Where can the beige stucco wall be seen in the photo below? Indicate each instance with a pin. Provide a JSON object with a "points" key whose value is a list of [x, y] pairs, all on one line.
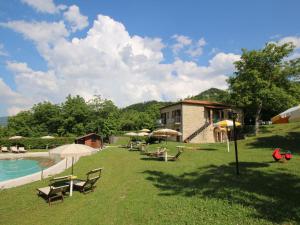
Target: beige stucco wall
{"points": [[194, 117]]}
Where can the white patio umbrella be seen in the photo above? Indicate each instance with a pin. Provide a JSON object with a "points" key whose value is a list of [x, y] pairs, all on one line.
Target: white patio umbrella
{"points": [[145, 130], [47, 137], [132, 134], [288, 116], [15, 137], [226, 124], [72, 150], [167, 132], [142, 134]]}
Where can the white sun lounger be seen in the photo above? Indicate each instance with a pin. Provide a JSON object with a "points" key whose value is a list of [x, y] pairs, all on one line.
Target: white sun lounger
{"points": [[14, 149], [4, 149], [22, 150]]}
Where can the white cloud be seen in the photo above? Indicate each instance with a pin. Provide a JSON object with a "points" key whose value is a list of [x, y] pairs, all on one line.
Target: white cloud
{"points": [[37, 85], [186, 44], [40, 32], [2, 50], [75, 18], [12, 98], [181, 42], [111, 62], [196, 49], [294, 39], [44, 6], [44, 34]]}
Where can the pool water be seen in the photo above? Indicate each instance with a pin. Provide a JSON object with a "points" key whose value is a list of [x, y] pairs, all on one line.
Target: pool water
{"points": [[13, 168]]}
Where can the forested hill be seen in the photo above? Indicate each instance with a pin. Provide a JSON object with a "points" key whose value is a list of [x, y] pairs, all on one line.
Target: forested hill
{"points": [[212, 94], [144, 106], [3, 121]]}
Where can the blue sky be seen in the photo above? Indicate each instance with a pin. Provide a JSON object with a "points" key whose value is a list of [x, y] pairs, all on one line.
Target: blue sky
{"points": [[134, 51]]}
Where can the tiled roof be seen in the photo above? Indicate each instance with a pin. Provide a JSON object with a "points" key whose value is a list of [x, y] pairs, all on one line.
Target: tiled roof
{"points": [[205, 103], [208, 104]]}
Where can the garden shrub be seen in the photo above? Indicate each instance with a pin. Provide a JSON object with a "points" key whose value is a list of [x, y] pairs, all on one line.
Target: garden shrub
{"points": [[36, 143]]}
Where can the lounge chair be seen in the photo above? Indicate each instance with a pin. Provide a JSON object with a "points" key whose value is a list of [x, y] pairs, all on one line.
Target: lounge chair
{"points": [[170, 157], [4, 149], [14, 149], [89, 184], [22, 150], [56, 189], [159, 152]]}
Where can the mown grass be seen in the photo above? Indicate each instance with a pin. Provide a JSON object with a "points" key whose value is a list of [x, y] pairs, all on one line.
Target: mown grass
{"points": [[200, 188]]}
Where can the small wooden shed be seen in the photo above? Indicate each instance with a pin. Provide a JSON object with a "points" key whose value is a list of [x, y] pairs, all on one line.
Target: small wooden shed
{"points": [[93, 140]]}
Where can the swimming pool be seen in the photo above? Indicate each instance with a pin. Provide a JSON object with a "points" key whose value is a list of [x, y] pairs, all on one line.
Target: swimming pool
{"points": [[14, 168]]}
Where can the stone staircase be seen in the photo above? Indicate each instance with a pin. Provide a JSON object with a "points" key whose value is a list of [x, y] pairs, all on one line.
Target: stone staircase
{"points": [[197, 132]]}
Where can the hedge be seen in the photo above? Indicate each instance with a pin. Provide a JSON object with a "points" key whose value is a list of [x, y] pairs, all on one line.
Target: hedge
{"points": [[37, 143]]}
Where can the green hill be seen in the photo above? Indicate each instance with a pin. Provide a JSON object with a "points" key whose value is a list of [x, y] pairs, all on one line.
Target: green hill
{"points": [[144, 106], [212, 94], [3, 120]]}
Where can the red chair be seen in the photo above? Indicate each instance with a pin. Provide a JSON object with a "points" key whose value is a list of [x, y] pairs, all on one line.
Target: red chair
{"points": [[276, 154], [279, 156], [288, 155]]}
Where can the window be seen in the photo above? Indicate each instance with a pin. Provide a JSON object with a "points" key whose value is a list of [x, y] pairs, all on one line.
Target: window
{"points": [[176, 115], [163, 118]]}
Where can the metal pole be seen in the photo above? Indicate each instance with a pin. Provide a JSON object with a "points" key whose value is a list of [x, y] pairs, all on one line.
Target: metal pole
{"points": [[72, 163], [235, 147]]}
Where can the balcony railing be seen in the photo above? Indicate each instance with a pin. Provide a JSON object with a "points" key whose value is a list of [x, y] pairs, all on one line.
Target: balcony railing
{"points": [[175, 120]]}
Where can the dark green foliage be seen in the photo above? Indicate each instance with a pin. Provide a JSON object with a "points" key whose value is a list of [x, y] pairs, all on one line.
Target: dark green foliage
{"points": [[74, 117], [141, 115], [144, 106], [36, 143], [265, 82], [212, 94]]}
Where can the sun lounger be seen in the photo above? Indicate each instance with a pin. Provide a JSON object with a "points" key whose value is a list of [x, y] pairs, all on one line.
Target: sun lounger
{"points": [[22, 150], [56, 189], [158, 153], [89, 184], [4, 149], [14, 149], [171, 158]]}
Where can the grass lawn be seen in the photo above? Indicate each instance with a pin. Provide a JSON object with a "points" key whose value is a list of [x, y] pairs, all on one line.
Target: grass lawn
{"points": [[200, 188]]}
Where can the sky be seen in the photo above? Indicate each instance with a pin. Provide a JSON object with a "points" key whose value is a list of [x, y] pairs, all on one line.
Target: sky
{"points": [[130, 51]]}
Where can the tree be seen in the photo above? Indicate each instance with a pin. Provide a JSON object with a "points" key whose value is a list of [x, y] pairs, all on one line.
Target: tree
{"points": [[264, 80], [75, 114], [104, 117], [46, 118], [21, 124]]}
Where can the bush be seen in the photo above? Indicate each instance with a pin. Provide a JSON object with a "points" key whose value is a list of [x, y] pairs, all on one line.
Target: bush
{"points": [[36, 143], [152, 140]]}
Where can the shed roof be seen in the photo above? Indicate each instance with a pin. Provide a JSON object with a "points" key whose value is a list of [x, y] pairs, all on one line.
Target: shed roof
{"points": [[87, 135]]}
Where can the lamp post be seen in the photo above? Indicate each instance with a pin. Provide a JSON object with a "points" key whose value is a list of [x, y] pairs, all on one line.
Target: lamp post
{"points": [[234, 117]]}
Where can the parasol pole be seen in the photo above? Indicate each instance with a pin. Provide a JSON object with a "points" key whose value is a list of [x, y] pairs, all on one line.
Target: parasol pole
{"points": [[72, 164], [227, 139], [234, 116]]}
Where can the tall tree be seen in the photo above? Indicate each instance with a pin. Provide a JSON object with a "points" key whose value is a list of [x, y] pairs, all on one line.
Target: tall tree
{"points": [[75, 113], [46, 118], [264, 79]]}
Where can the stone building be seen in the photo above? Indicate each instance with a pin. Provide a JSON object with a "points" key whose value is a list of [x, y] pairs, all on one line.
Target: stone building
{"points": [[195, 120]]}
